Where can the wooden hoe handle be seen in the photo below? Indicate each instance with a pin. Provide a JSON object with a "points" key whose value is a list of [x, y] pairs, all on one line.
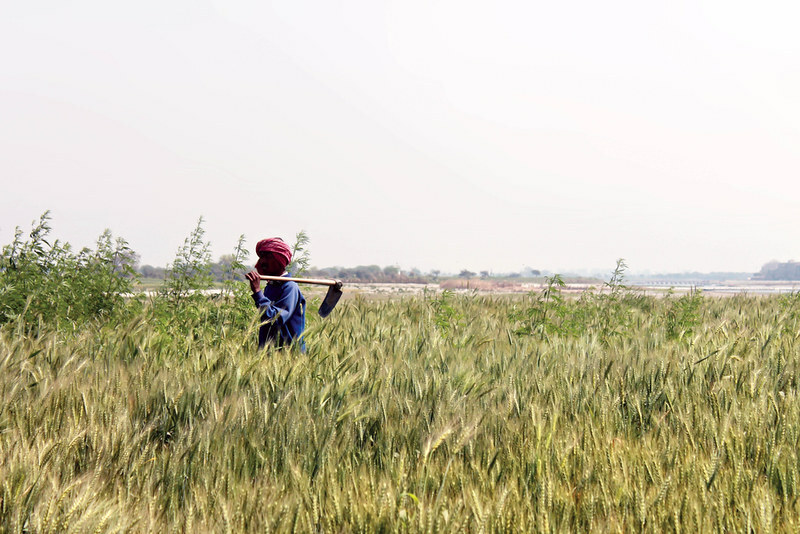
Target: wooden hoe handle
{"points": [[316, 281]]}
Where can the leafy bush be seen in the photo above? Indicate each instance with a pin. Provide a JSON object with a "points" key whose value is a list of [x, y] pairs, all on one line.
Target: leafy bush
{"points": [[683, 314], [301, 259], [445, 315], [605, 314], [48, 282], [548, 314], [190, 271]]}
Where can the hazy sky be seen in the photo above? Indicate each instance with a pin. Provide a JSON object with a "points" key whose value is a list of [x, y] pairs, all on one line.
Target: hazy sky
{"points": [[429, 134]]}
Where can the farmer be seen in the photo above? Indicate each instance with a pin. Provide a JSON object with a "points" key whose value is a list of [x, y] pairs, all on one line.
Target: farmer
{"points": [[282, 306]]}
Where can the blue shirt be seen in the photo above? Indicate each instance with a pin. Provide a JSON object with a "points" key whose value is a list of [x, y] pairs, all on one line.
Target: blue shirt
{"points": [[283, 311]]}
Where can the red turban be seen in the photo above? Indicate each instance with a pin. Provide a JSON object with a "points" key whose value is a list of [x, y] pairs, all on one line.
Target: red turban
{"points": [[277, 247]]}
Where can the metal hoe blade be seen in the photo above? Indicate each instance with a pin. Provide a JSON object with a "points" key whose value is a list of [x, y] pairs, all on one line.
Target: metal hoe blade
{"points": [[331, 298]]}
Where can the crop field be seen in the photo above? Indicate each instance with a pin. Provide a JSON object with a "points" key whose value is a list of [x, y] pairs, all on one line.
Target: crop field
{"points": [[426, 414], [614, 411]]}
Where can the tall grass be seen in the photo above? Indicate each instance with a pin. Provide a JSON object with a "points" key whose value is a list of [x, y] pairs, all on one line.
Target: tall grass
{"points": [[415, 415]]}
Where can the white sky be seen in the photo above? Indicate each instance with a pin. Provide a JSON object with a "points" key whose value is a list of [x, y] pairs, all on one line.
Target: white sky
{"points": [[431, 134]]}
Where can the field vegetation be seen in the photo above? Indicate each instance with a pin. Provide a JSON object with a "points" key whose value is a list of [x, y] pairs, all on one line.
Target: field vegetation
{"points": [[614, 411]]}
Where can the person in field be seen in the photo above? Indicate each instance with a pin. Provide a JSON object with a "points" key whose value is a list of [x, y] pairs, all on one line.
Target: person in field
{"points": [[282, 305]]}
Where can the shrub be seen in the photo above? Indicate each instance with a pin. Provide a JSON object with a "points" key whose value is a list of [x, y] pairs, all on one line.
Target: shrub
{"points": [[683, 314], [190, 272], [47, 282]]}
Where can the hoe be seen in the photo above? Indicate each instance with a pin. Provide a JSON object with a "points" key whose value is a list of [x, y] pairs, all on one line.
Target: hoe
{"points": [[331, 298]]}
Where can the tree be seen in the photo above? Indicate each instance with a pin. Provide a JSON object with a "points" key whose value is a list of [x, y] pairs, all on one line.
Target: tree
{"points": [[148, 271], [466, 274], [775, 270]]}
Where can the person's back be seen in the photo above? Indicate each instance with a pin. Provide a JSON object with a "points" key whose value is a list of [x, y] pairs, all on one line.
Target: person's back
{"points": [[283, 314], [282, 305]]}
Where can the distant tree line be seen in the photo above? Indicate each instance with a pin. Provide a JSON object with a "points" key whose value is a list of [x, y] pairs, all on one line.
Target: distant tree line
{"points": [[148, 271], [775, 270], [374, 274], [220, 271]]}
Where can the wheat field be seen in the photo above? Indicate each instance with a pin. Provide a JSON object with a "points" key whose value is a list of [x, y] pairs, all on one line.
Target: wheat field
{"points": [[429, 414]]}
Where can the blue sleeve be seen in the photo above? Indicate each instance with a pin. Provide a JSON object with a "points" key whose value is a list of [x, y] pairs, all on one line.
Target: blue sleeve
{"points": [[282, 308]]}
